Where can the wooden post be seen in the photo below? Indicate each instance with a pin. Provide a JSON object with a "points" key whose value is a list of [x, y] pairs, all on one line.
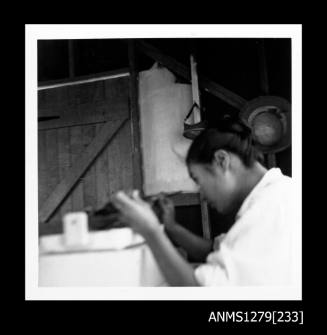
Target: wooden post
{"points": [[135, 118], [264, 83], [197, 118], [195, 90]]}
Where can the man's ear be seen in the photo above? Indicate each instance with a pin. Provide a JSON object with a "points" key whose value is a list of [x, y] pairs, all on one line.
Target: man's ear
{"points": [[222, 159]]}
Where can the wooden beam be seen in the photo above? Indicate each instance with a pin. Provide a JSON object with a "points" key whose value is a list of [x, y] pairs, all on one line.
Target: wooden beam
{"points": [[264, 84], [186, 199], [205, 83], [81, 164], [195, 89], [206, 228], [43, 85], [206, 231], [70, 122], [135, 118], [87, 119]]}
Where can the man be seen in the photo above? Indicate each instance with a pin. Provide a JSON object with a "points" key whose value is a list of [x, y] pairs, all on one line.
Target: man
{"points": [[257, 248]]}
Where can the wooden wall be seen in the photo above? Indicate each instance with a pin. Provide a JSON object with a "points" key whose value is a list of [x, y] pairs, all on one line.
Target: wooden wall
{"points": [[83, 109]]}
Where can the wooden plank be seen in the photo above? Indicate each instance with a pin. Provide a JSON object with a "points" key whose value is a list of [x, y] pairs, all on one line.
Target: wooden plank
{"points": [[101, 172], [205, 220], [76, 148], [42, 168], [117, 91], [120, 164], [107, 75], [51, 160], [89, 113], [205, 83], [186, 199], [52, 172], [126, 156], [120, 155], [116, 96], [99, 92], [135, 118], [90, 191], [64, 162], [206, 229], [81, 165], [52, 164], [114, 162], [69, 121], [195, 89]]}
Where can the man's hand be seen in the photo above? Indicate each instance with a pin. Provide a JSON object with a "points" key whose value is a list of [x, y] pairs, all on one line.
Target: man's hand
{"points": [[136, 213], [167, 210]]}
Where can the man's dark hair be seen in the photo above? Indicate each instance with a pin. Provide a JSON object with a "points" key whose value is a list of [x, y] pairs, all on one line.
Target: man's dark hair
{"points": [[231, 134]]}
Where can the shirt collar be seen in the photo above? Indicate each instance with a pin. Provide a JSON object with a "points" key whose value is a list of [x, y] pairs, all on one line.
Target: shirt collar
{"points": [[269, 177]]}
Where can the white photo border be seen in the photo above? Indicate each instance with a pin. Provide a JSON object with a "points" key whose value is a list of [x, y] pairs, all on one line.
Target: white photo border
{"points": [[70, 31]]}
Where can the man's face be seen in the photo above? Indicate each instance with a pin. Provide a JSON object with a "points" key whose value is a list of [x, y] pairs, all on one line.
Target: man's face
{"points": [[215, 184]]}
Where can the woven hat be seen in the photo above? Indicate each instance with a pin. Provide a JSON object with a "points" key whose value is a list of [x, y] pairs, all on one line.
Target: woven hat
{"points": [[270, 120]]}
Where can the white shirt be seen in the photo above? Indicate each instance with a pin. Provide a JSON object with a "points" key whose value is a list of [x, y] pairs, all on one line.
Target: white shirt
{"points": [[257, 249]]}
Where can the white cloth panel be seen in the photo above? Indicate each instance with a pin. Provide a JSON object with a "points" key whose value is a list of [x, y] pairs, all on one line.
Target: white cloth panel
{"points": [[163, 107]]}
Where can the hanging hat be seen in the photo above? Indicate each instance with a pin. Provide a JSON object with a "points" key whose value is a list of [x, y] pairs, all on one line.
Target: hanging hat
{"points": [[270, 120]]}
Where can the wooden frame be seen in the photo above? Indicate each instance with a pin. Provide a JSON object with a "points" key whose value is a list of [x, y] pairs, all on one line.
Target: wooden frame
{"points": [[83, 79], [135, 118], [206, 229]]}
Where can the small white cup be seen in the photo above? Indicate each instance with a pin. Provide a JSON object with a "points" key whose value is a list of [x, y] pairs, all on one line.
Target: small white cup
{"points": [[75, 228]]}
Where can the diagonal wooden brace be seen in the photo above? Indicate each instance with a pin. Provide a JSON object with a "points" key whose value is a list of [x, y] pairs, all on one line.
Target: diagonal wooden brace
{"points": [[58, 195]]}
